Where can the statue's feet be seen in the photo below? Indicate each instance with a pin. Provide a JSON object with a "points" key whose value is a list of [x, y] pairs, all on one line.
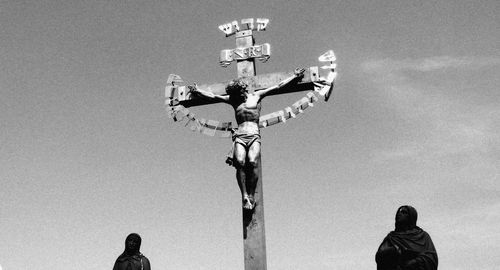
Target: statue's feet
{"points": [[248, 202]]}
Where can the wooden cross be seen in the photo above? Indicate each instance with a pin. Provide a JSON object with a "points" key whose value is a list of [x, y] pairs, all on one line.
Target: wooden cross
{"points": [[179, 98], [254, 238]]}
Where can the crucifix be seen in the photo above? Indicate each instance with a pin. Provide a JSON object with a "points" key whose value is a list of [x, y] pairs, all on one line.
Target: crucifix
{"points": [[244, 95]]}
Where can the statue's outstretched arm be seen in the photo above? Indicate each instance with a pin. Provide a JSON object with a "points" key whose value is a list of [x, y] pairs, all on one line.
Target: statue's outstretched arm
{"points": [[299, 72], [206, 94]]}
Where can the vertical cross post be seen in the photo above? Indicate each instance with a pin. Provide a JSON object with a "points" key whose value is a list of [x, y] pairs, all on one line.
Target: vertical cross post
{"points": [[254, 239], [245, 67]]}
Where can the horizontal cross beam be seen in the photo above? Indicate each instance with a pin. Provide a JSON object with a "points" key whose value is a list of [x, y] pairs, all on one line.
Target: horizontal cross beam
{"points": [[178, 94]]}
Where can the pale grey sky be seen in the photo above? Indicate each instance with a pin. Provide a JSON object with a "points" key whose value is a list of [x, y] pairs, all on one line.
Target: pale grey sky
{"points": [[89, 155]]}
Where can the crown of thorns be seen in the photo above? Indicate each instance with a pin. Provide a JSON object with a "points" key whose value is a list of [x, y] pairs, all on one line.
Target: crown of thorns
{"points": [[235, 86]]}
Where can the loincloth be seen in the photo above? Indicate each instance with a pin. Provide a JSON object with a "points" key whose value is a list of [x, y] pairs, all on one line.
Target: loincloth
{"points": [[245, 139]]}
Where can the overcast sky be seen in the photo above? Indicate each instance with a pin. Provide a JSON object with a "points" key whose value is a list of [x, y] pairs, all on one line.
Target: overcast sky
{"points": [[88, 153]]}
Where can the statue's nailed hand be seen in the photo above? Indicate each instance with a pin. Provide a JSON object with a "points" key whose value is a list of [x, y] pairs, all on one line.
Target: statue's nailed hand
{"points": [[299, 72], [193, 88]]}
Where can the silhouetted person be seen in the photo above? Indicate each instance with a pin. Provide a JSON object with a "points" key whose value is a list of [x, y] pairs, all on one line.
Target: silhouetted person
{"points": [[408, 247], [131, 258]]}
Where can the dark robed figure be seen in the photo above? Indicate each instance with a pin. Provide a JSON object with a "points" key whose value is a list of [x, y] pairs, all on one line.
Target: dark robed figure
{"points": [[408, 247], [132, 258]]}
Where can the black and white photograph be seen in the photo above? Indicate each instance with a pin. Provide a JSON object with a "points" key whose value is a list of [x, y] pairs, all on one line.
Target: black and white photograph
{"points": [[255, 135]]}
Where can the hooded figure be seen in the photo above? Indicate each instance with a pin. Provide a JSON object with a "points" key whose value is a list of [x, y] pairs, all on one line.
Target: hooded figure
{"points": [[131, 258], [408, 247]]}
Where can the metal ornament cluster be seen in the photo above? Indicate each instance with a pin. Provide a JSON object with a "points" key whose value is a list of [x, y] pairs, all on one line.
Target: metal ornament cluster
{"points": [[318, 80]]}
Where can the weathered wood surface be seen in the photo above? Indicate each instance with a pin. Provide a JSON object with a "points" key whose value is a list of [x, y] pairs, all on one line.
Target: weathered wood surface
{"points": [[254, 235], [246, 67], [254, 238]]}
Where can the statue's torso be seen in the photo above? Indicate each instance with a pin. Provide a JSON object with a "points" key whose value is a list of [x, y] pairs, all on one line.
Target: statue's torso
{"points": [[247, 113]]}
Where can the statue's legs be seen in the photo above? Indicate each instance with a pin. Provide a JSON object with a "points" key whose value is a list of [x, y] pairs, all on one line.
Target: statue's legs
{"points": [[240, 154], [247, 171], [253, 170]]}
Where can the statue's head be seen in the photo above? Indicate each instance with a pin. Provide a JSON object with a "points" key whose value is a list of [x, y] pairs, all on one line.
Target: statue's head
{"points": [[406, 218], [132, 243], [237, 87]]}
